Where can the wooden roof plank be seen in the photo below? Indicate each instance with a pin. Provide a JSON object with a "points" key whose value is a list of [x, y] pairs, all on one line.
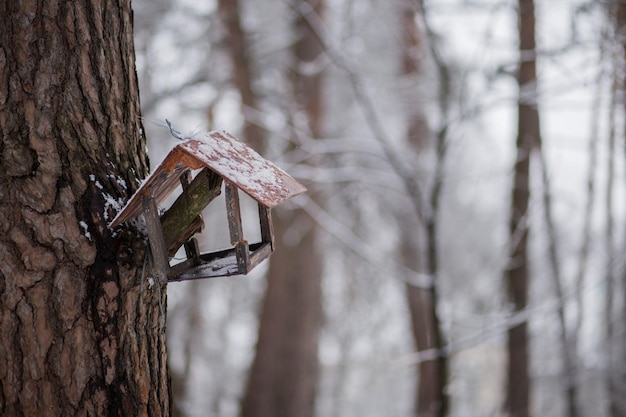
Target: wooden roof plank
{"points": [[225, 155]]}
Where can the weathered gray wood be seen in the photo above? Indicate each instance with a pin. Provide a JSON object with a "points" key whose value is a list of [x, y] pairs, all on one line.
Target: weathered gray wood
{"points": [[219, 264], [243, 256], [259, 255], [188, 206], [267, 228], [216, 267], [233, 211], [160, 263], [180, 268]]}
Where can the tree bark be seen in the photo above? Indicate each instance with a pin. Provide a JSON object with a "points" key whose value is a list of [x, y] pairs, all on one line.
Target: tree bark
{"points": [[516, 276], [82, 333], [283, 377]]}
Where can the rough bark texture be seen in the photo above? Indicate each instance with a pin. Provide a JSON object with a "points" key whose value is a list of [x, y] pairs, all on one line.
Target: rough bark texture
{"points": [[80, 334], [518, 387], [283, 377]]}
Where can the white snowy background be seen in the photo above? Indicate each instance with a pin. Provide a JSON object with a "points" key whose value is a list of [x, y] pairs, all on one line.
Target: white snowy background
{"points": [[366, 354]]}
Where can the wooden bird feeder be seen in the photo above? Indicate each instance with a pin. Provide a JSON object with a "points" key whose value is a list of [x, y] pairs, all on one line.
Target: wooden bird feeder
{"points": [[221, 158]]}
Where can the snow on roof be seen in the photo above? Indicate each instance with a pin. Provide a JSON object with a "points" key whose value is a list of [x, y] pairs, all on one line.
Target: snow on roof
{"points": [[225, 155]]}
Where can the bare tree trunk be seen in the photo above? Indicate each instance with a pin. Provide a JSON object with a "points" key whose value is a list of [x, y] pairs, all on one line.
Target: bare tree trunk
{"points": [[430, 397], [82, 330], [619, 344], [516, 276], [283, 377], [230, 13], [613, 392], [419, 247], [191, 345], [611, 342]]}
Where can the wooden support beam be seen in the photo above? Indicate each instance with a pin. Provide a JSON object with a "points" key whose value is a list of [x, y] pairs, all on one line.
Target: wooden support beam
{"points": [[242, 255], [259, 255], [235, 228], [188, 206], [233, 211], [192, 250], [219, 264], [180, 268], [183, 238], [160, 263], [267, 228]]}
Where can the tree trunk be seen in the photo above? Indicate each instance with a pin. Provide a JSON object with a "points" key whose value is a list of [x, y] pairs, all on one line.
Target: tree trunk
{"points": [[82, 331], [230, 14], [419, 243], [518, 392], [283, 377], [618, 399], [613, 392]]}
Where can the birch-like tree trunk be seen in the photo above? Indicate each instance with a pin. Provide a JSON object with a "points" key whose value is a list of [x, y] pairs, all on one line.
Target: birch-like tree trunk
{"points": [[82, 334]]}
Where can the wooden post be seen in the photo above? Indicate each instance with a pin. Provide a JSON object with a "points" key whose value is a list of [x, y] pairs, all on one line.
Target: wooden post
{"points": [[160, 262], [267, 228], [233, 211]]}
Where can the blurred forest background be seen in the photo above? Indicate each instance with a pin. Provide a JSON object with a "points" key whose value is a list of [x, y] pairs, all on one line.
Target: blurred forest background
{"points": [[459, 251]]}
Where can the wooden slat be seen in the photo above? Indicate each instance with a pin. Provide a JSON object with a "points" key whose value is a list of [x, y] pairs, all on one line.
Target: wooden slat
{"points": [[160, 263], [235, 228], [228, 157], [267, 228], [180, 268], [241, 165], [260, 254], [223, 266], [233, 211], [161, 183], [219, 264], [243, 256]]}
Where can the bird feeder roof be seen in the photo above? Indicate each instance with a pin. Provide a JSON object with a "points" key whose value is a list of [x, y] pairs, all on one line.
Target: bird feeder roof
{"points": [[228, 157]]}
